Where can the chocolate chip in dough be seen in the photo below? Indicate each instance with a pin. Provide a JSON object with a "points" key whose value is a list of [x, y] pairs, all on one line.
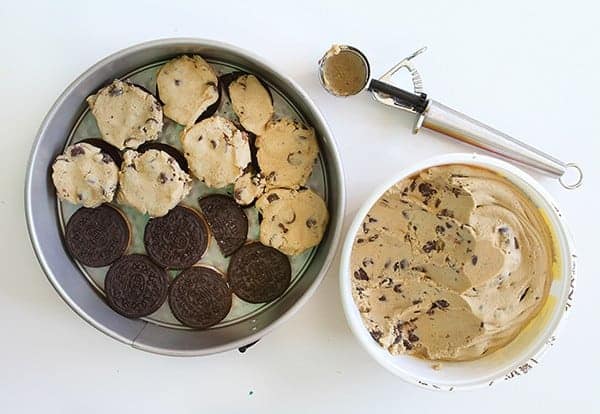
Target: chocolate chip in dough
{"points": [[77, 150], [360, 274]]}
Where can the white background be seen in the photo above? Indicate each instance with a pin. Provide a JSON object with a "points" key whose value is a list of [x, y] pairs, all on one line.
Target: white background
{"points": [[528, 68]]}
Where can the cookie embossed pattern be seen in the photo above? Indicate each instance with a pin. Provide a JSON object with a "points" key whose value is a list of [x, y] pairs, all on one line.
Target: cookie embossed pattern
{"points": [[512, 360]]}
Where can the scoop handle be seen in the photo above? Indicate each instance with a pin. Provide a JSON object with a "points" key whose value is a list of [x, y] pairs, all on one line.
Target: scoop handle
{"points": [[455, 124]]}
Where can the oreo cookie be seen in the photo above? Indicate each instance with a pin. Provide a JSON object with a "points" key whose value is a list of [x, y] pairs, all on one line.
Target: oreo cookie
{"points": [[98, 236], [199, 297], [106, 148], [227, 221], [135, 286], [258, 273], [172, 151], [176, 240]]}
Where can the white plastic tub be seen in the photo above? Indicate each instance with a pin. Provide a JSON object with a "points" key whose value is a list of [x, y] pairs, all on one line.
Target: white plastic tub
{"points": [[525, 351]]}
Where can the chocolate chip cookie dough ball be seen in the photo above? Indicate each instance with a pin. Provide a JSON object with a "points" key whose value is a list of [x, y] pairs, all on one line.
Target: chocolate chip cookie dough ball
{"points": [[251, 103], [187, 85], [293, 220], [152, 182], [127, 115], [287, 151], [217, 152], [85, 175]]}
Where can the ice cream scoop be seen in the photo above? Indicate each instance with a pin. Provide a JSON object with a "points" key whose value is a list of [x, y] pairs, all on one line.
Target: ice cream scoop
{"points": [[345, 71]]}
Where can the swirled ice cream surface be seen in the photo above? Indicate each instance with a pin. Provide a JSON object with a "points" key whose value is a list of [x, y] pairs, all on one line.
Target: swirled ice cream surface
{"points": [[451, 264]]}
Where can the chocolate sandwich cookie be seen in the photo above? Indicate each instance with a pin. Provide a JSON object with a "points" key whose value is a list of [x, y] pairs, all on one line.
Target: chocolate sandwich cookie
{"points": [[172, 151], [227, 221], [98, 236], [176, 240], [199, 297], [258, 273], [226, 79], [106, 148], [135, 286]]}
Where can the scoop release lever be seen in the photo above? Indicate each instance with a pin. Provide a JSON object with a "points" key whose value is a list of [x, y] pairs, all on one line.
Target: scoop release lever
{"points": [[438, 117]]}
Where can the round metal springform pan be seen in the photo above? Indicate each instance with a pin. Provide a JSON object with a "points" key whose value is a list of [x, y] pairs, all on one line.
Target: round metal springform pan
{"points": [[79, 287]]}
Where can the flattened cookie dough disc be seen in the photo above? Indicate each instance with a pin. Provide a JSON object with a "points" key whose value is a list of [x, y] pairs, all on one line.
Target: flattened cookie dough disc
{"points": [[98, 236], [152, 182], [106, 148], [177, 240], [228, 222], [199, 297], [251, 102], [187, 85], [287, 151], [258, 273], [293, 220], [135, 286], [172, 151], [217, 152], [127, 115], [85, 175]]}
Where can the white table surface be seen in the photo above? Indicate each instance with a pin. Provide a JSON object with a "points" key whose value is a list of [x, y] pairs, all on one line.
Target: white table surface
{"points": [[529, 68]]}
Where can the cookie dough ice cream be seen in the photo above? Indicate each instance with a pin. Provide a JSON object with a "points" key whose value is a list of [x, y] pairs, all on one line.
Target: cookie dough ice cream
{"points": [[152, 182], [85, 175], [451, 264]]}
